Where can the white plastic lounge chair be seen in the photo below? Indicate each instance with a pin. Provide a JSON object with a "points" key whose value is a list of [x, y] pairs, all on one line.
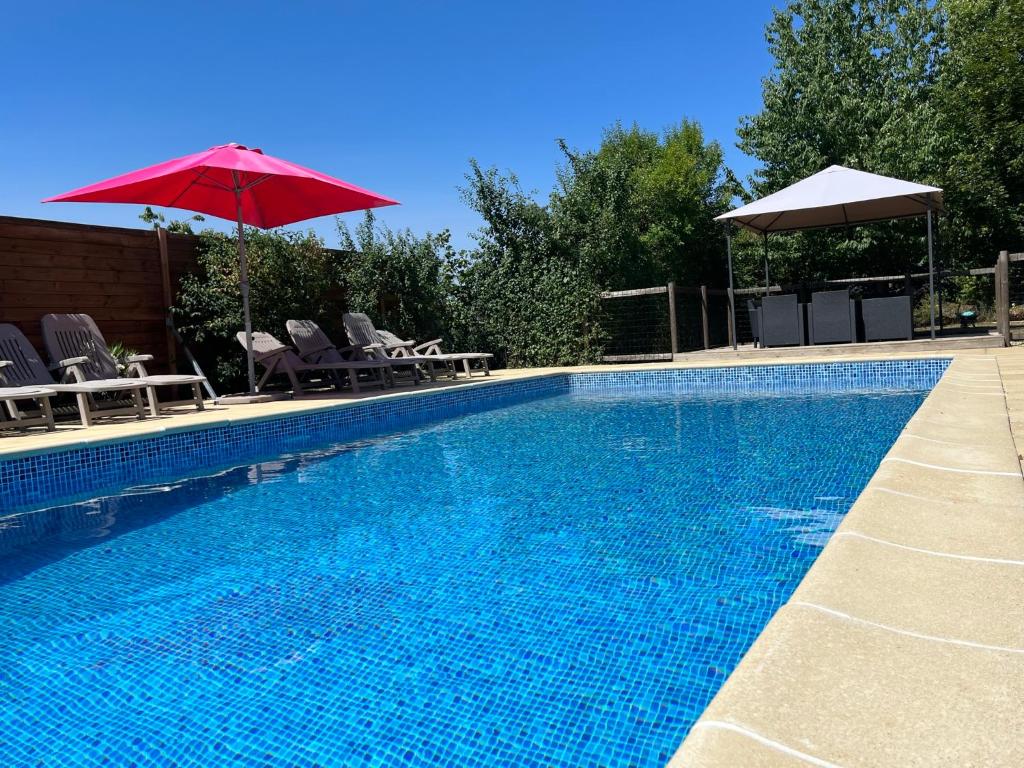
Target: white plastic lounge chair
{"points": [[25, 369], [361, 333], [276, 357], [16, 417], [71, 337], [314, 346], [433, 349]]}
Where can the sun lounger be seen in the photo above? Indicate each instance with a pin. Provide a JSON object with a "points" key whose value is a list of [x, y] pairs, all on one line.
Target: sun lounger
{"points": [[314, 346], [832, 317], [361, 333], [13, 416], [69, 338], [782, 322], [26, 369], [887, 318], [278, 358], [432, 348]]}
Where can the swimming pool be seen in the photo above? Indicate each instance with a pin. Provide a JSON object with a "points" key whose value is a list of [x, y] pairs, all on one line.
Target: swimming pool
{"points": [[564, 580]]}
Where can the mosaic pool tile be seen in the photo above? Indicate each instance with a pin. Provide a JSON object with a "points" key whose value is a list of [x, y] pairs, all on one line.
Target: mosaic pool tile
{"points": [[563, 580], [46, 478]]}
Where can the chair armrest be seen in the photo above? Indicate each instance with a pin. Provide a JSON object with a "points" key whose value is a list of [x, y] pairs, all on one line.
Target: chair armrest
{"points": [[68, 362], [71, 368], [5, 363], [140, 359]]}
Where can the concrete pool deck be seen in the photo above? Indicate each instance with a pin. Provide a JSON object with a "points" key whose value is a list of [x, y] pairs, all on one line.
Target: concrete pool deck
{"points": [[904, 643]]}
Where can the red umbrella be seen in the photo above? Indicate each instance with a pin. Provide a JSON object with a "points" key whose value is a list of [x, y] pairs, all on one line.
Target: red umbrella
{"points": [[234, 182]]}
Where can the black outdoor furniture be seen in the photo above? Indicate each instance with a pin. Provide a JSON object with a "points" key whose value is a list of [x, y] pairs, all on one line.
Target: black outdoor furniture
{"points": [[887, 319], [755, 322], [832, 318], [782, 321]]}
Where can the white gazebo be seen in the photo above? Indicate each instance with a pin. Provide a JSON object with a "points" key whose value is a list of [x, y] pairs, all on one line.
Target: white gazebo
{"points": [[835, 197]]}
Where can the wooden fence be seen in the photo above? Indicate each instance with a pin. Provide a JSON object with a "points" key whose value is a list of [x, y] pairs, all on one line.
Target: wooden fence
{"points": [[124, 278]]}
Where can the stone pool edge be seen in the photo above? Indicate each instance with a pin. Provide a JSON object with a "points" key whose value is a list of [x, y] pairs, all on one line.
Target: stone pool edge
{"points": [[904, 642]]}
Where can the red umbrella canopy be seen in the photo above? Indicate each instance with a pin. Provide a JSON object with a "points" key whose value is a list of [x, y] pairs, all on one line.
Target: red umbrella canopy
{"points": [[273, 192]]}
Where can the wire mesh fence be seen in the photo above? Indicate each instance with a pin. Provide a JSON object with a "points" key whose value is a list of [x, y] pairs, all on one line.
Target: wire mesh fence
{"points": [[655, 323], [636, 325]]}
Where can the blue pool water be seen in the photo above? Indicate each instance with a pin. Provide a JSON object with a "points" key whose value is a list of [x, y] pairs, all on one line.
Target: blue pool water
{"points": [[562, 582]]}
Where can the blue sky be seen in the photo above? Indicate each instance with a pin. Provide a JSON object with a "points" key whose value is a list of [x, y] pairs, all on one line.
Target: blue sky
{"points": [[395, 97]]}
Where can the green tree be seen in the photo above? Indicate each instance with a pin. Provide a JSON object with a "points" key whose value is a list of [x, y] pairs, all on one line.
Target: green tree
{"points": [[981, 111], [524, 297], [638, 211], [852, 85]]}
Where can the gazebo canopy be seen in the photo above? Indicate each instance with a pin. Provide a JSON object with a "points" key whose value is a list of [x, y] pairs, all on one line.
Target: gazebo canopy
{"points": [[836, 196]]}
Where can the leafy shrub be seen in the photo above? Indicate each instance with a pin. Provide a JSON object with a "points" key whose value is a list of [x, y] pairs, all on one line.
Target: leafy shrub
{"points": [[291, 276], [402, 281]]}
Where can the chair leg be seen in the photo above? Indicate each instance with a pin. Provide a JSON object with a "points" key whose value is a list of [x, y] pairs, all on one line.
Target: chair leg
{"points": [[140, 406], [465, 367], [85, 408], [353, 377], [197, 393], [154, 404], [487, 367], [297, 390], [44, 405]]}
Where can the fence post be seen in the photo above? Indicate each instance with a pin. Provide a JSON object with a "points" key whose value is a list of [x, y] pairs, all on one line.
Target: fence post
{"points": [[704, 316], [1002, 276], [673, 331], [165, 279], [731, 295]]}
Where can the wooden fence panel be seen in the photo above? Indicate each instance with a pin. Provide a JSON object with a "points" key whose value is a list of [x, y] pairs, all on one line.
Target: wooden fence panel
{"points": [[111, 273]]}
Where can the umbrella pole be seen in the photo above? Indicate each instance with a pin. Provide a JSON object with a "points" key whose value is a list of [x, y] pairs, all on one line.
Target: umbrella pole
{"points": [[243, 271], [931, 269], [732, 297]]}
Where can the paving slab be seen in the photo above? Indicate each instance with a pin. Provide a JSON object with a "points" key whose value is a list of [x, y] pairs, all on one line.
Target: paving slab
{"points": [[850, 694], [725, 745], [940, 595], [939, 525]]}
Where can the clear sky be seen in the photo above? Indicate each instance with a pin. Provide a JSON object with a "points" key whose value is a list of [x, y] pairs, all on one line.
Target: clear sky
{"points": [[393, 96]]}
